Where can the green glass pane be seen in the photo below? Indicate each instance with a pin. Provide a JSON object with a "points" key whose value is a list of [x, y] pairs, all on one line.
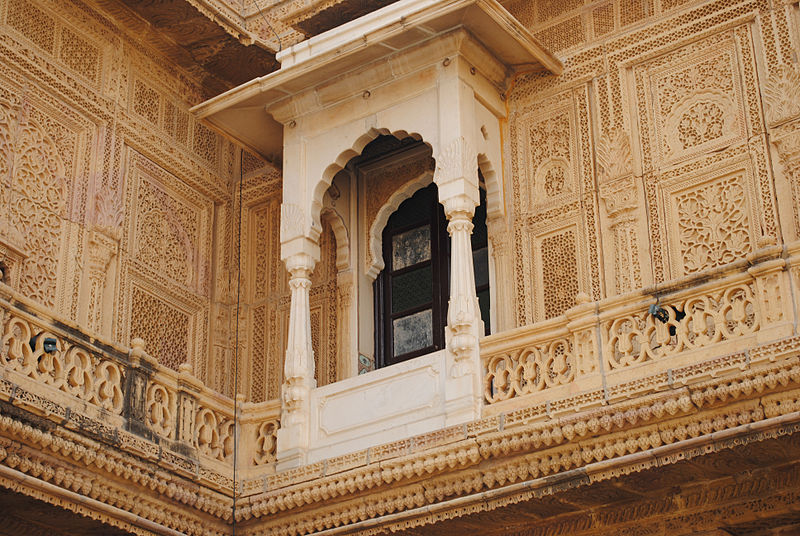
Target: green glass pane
{"points": [[412, 332], [411, 247], [412, 289], [480, 262]]}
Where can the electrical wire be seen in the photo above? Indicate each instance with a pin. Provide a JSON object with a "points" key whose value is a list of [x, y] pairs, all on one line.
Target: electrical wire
{"points": [[278, 37], [236, 343]]}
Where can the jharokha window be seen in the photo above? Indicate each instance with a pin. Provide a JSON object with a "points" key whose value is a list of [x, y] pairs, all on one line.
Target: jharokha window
{"points": [[412, 291]]}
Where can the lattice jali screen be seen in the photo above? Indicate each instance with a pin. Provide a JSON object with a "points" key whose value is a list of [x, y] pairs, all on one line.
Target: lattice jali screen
{"points": [[165, 328], [553, 187]]}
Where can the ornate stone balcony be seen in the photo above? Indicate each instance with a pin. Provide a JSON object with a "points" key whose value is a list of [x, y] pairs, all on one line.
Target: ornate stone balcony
{"points": [[123, 397], [599, 353], [605, 390]]}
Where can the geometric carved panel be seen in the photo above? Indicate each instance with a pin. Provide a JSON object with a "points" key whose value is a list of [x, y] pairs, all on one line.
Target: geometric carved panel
{"points": [[165, 270], [268, 284], [558, 254], [554, 198], [33, 23], [169, 227], [165, 328]]}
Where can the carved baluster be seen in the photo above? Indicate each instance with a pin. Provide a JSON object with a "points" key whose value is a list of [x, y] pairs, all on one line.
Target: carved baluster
{"points": [[462, 314], [457, 178], [188, 388], [136, 380]]}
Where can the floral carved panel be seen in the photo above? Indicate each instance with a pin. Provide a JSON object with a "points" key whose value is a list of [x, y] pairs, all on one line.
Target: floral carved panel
{"points": [[695, 100], [37, 154], [710, 220], [698, 110], [549, 145]]}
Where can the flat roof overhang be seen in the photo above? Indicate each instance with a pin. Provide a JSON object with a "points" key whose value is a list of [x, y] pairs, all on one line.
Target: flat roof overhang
{"points": [[242, 111]]}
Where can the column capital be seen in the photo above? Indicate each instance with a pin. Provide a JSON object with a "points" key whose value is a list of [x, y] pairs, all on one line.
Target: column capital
{"points": [[459, 207], [300, 265]]}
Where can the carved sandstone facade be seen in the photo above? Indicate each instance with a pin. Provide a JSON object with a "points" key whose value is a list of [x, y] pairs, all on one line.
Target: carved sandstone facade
{"points": [[187, 296]]}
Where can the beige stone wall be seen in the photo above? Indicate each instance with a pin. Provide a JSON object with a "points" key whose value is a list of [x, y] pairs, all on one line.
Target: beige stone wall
{"points": [[118, 211], [650, 158], [111, 189]]}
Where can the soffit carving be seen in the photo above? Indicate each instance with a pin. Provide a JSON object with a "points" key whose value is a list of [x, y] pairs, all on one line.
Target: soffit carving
{"points": [[219, 53], [377, 49], [327, 14]]}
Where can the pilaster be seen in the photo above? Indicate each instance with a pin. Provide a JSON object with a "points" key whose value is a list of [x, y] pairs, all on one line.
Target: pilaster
{"points": [[620, 193]]}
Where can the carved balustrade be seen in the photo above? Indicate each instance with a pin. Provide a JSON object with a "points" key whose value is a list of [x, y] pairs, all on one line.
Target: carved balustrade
{"points": [[51, 360], [538, 358], [629, 338]]}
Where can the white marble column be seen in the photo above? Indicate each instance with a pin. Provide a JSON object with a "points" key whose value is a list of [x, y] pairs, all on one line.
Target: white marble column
{"points": [[463, 314], [457, 178], [298, 367]]}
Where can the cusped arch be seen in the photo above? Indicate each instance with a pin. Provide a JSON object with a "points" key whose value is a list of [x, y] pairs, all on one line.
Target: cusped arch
{"points": [[493, 180], [324, 182], [341, 235], [375, 235]]}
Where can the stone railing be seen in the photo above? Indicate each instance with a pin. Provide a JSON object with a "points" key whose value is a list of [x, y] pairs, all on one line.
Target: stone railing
{"points": [[50, 367], [597, 346]]}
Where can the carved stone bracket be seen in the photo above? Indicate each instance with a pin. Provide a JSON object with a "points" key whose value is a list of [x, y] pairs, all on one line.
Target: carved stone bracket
{"points": [[619, 196], [457, 161]]}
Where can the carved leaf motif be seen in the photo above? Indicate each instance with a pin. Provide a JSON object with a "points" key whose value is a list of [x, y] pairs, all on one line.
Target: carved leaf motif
{"points": [[614, 155], [109, 210], [292, 222], [782, 93], [458, 160]]}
